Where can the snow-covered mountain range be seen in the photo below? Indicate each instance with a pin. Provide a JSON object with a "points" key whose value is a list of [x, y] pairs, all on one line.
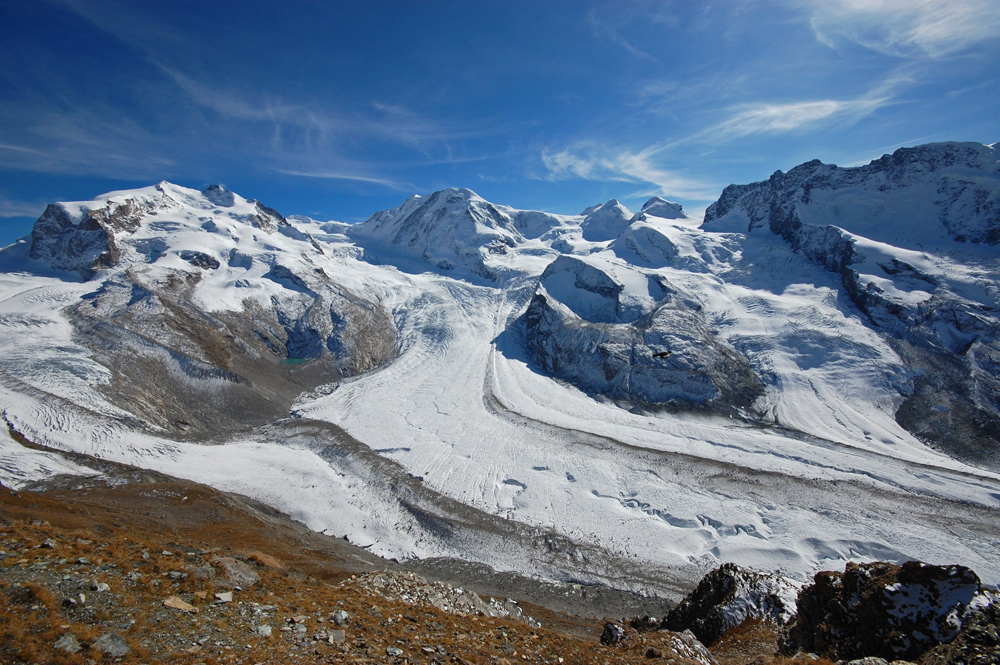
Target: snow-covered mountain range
{"points": [[808, 375]]}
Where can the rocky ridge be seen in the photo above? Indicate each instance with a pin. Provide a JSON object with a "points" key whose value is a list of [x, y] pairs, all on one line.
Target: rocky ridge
{"points": [[648, 344], [915, 612], [728, 597]]}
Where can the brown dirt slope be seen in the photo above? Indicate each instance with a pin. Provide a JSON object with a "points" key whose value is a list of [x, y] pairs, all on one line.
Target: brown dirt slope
{"points": [[89, 569]]}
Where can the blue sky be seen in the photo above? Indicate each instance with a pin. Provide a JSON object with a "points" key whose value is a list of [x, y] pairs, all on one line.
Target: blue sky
{"points": [[338, 109]]}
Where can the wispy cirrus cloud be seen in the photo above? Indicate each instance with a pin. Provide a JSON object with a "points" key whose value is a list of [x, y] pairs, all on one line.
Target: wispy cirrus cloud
{"points": [[179, 87], [353, 177], [84, 138], [769, 117], [609, 22], [12, 208], [592, 161], [380, 121], [764, 118], [924, 28]]}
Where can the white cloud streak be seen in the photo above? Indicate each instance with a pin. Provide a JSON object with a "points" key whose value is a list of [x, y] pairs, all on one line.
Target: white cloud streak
{"points": [[393, 123], [906, 28], [791, 116], [9, 208], [353, 177], [778, 117], [86, 139], [603, 29], [591, 161]]}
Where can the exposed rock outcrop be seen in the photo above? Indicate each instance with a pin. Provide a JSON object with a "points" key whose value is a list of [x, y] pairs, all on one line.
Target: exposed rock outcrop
{"points": [[649, 346], [84, 245], [892, 612], [728, 596]]}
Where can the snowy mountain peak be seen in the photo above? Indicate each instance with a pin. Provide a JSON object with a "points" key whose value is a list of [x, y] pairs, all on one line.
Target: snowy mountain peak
{"points": [[218, 195], [454, 230], [818, 389], [929, 194], [914, 239], [660, 207], [87, 236], [606, 222], [197, 299]]}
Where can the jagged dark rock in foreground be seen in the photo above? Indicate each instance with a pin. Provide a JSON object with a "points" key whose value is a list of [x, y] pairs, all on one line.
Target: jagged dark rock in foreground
{"points": [[728, 596], [897, 612]]}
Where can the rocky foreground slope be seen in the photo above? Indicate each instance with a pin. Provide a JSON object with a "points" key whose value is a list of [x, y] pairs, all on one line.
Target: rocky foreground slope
{"points": [[155, 570], [158, 571]]}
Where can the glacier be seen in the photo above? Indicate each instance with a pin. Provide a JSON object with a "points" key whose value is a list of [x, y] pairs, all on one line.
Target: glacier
{"points": [[608, 398]]}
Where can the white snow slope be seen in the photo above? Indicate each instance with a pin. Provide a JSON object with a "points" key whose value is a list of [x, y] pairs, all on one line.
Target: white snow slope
{"points": [[826, 475]]}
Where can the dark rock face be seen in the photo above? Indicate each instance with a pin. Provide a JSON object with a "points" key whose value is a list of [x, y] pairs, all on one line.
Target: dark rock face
{"points": [[200, 259], [179, 367], [728, 596], [889, 611], [978, 643], [266, 219], [667, 358], [613, 634], [81, 246]]}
